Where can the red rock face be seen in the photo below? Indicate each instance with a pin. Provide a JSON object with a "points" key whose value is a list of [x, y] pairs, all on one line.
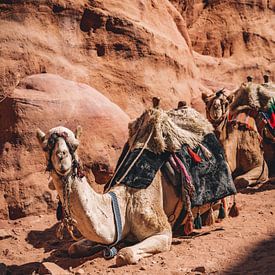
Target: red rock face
{"points": [[128, 50], [45, 101], [233, 39]]}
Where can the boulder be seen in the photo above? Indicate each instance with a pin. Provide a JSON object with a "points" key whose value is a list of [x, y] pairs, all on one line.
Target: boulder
{"points": [[129, 50], [45, 101]]}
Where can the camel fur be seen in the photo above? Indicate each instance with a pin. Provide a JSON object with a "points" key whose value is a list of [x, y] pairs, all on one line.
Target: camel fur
{"points": [[242, 146], [170, 129]]}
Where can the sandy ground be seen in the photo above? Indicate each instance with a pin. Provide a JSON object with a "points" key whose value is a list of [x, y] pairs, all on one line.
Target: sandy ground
{"points": [[242, 245]]}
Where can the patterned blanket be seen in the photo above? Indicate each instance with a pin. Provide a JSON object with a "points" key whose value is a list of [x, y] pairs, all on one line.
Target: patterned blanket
{"points": [[244, 119], [210, 176], [270, 116]]}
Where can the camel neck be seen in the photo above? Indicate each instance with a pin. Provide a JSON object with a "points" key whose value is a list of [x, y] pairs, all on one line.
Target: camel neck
{"points": [[92, 211], [220, 127]]}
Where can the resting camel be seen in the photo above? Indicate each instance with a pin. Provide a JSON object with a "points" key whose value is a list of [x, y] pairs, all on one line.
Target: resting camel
{"points": [[237, 126], [144, 212]]}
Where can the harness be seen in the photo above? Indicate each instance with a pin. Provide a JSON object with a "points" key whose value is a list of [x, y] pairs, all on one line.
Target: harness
{"points": [[63, 214]]}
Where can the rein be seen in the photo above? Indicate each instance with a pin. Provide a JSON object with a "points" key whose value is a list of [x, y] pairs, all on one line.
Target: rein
{"points": [[125, 157]]}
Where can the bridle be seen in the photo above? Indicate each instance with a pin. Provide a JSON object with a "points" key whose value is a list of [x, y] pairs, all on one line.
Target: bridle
{"points": [[220, 123], [76, 168], [63, 213]]}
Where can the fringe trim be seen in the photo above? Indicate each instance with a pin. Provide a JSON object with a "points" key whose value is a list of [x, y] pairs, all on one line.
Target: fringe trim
{"points": [[170, 129]]}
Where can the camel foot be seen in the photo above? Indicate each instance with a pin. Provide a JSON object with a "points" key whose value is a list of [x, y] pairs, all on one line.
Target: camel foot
{"points": [[83, 248], [241, 183], [125, 256]]}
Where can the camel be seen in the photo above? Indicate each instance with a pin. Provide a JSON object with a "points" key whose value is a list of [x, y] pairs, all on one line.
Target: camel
{"points": [[258, 99], [144, 212], [241, 142]]}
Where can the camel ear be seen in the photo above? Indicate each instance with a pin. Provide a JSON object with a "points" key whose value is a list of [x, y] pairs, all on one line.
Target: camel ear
{"points": [[182, 104], [204, 97], [155, 102], [78, 132], [230, 98], [40, 136]]}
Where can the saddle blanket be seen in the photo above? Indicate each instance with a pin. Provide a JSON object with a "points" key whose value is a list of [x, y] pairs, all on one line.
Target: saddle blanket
{"points": [[210, 177]]}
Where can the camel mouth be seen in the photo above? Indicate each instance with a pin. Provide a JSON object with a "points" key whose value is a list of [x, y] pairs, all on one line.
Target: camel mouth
{"points": [[63, 170]]}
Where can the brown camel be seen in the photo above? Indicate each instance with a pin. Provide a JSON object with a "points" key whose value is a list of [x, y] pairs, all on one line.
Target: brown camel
{"points": [[241, 142]]}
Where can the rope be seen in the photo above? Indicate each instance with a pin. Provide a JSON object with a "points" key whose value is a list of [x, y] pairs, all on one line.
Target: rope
{"points": [[110, 251], [126, 155], [3, 98], [135, 160]]}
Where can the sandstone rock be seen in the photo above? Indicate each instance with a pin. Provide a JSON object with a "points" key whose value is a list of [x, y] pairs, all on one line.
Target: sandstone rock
{"points": [[80, 271], [4, 234], [233, 39], [200, 269], [45, 101], [130, 50], [52, 269]]}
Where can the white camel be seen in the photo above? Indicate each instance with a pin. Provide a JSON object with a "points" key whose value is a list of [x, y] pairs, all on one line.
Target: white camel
{"points": [[143, 212]]}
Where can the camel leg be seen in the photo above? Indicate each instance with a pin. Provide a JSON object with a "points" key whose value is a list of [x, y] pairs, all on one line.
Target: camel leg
{"points": [[82, 248], [252, 177], [149, 246]]}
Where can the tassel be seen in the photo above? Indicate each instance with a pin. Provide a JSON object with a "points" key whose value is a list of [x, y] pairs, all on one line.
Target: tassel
{"points": [[210, 217], [225, 206], [59, 231], [221, 212], [181, 167], [194, 155], [234, 210], [188, 226], [198, 221], [59, 211], [205, 151]]}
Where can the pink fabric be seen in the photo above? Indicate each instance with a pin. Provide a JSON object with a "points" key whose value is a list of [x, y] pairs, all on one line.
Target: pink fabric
{"points": [[182, 168]]}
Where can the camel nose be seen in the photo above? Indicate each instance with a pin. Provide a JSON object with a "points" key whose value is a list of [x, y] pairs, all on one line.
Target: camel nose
{"points": [[61, 154]]}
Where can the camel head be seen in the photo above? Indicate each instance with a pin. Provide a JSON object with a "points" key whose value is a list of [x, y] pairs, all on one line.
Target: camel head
{"points": [[217, 105], [60, 145]]}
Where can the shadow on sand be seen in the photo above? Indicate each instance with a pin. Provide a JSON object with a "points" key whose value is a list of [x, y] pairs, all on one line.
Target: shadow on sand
{"points": [[261, 188], [260, 260], [58, 252]]}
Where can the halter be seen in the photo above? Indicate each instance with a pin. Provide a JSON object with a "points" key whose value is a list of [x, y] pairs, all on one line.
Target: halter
{"points": [[64, 213], [216, 123]]}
